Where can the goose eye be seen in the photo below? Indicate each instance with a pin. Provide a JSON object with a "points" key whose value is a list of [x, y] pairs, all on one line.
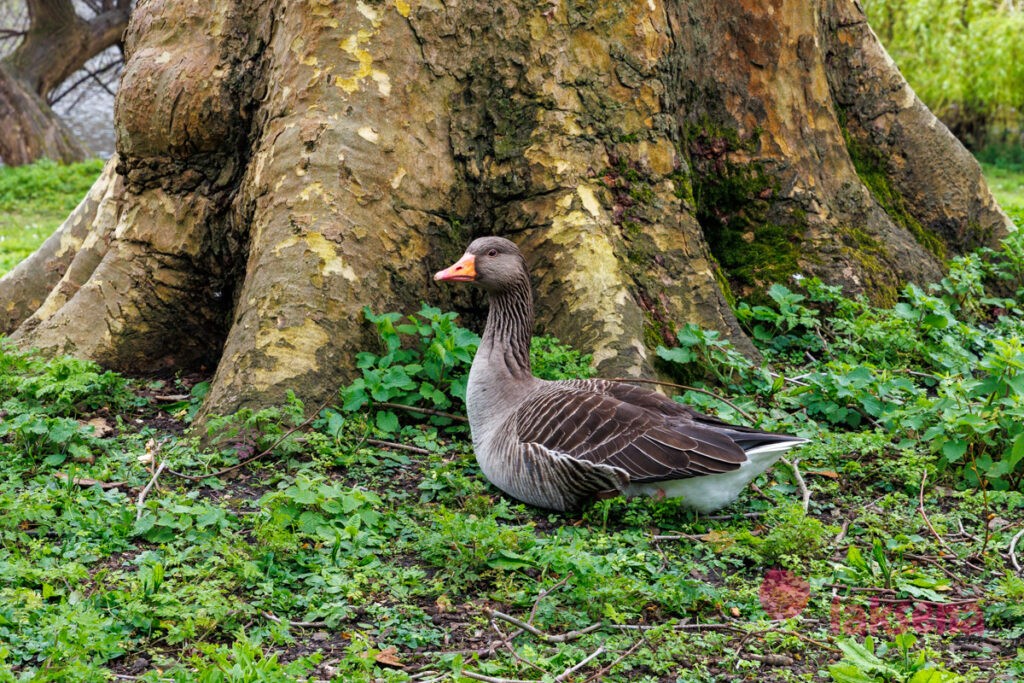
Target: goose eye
{"points": [[492, 252]]}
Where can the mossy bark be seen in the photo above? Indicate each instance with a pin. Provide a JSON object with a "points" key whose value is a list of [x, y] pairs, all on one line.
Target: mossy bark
{"points": [[282, 165]]}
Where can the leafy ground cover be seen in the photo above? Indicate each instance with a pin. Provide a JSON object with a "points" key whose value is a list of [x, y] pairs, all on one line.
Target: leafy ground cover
{"points": [[363, 543]]}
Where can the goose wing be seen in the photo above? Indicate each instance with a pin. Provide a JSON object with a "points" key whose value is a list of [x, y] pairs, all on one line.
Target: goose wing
{"points": [[746, 438], [579, 421]]}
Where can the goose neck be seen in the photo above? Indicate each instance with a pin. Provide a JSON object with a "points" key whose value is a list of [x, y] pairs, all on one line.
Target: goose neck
{"points": [[509, 329]]}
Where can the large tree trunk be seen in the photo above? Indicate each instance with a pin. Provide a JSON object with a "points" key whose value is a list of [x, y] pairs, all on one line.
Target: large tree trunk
{"points": [[58, 43], [281, 165]]}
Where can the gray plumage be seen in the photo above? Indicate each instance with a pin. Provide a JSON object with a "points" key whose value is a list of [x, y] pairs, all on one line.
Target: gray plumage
{"points": [[558, 445]]}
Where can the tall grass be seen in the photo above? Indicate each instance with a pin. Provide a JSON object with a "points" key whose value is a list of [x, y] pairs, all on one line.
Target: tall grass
{"points": [[964, 59]]}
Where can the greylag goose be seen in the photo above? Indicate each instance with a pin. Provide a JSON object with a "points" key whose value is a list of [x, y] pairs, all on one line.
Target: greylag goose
{"points": [[560, 444]]}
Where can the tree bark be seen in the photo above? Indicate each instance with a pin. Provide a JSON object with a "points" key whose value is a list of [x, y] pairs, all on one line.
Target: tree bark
{"points": [[282, 165], [58, 43], [29, 130]]}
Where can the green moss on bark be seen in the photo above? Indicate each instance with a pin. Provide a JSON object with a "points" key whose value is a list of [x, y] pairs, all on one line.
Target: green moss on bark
{"points": [[753, 243], [870, 167]]}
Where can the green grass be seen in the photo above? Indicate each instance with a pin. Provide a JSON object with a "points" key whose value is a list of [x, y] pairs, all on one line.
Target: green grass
{"points": [[1007, 184], [34, 200], [335, 558]]}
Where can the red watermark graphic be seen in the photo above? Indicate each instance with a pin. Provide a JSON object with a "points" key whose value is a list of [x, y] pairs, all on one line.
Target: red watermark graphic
{"points": [[886, 616], [784, 595]]}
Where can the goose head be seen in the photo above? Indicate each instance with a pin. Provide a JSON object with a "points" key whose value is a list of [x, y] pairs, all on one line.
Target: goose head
{"points": [[493, 263]]}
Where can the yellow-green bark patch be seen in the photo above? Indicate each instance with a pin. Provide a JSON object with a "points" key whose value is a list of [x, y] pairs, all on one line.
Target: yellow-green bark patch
{"points": [[291, 352]]}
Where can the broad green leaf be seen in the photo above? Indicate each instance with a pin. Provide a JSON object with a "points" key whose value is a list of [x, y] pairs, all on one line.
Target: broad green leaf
{"points": [[848, 673], [387, 421]]}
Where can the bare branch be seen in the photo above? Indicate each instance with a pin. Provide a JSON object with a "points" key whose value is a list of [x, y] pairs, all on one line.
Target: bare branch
{"points": [[1013, 554], [924, 516], [493, 679], [297, 624], [141, 502], [90, 74], [805, 494], [268, 450], [560, 638], [424, 411], [399, 446], [582, 663]]}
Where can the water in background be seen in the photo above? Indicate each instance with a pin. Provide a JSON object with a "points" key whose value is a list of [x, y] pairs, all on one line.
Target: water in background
{"points": [[89, 110], [91, 118]]}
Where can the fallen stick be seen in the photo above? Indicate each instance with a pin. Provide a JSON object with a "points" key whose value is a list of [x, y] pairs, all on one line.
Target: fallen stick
{"points": [[297, 624], [399, 446], [632, 648], [493, 679], [805, 494], [86, 482], [582, 663], [1013, 554], [424, 411], [264, 453], [140, 503], [924, 515], [547, 638]]}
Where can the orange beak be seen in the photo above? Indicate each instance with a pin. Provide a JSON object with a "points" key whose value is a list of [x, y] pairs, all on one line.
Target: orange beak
{"points": [[463, 270]]}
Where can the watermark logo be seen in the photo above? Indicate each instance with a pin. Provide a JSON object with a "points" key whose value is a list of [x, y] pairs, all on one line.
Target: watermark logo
{"points": [[784, 595]]}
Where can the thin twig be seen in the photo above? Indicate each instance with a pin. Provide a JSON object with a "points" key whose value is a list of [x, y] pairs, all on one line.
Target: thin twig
{"points": [[505, 640], [269, 449], [924, 515], [547, 638], [791, 380], [89, 75], [772, 659], [805, 494], [297, 624], [678, 537], [939, 563], [493, 679], [632, 648], [680, 627], [171, 398], [720, 518], [544, 593], [687, 388], [400, 446], [964, 532], [1013, 554], [582, 663], [842, 532], [140, 503], [425, 411], [818, 643], [86, 482]]}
